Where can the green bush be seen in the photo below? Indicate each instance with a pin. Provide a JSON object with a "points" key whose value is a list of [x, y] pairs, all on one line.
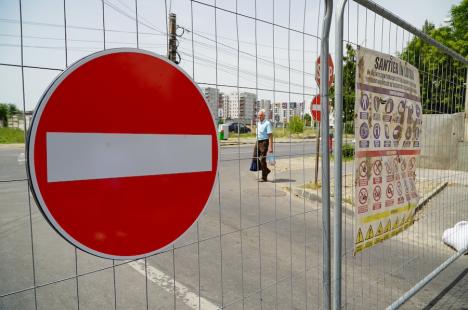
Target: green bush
{"points": [[348, 151], [296, 124], [349, 127]]}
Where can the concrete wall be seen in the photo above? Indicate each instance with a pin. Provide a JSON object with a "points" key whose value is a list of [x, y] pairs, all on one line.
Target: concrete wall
{"points": [[442, 136], [18, 122], [462, 157]]}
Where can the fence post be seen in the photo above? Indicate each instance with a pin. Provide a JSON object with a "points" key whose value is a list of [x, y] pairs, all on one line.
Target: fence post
{"points": [[325, 154], [338, 150]]}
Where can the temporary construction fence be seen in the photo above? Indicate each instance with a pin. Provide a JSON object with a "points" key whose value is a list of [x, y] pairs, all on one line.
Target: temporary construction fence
{"points": [[256, 245], [388, 271]]}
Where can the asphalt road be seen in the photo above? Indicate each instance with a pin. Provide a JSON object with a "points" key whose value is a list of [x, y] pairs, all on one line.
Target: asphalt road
{"points": [[281, 150], [269, 255]]}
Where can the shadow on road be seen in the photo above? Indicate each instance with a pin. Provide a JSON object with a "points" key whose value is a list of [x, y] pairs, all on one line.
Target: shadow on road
{"points": [[453, 296], [283, 181]]}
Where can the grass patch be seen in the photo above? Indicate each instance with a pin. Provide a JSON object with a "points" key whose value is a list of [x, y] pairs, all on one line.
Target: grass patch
{"points": [[311, 185], [11, 135], [280, 133], [243, 135], [285, 133]]}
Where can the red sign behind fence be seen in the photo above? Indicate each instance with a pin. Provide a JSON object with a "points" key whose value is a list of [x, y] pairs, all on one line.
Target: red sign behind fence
{"points": [[112, 167]]}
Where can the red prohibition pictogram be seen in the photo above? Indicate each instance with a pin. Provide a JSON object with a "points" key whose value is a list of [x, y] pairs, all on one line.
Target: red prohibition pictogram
{"points": [[388, 167], [363, 169], [363, 194], [377, 193], [377, 167], [403, 164], [390, 190]]}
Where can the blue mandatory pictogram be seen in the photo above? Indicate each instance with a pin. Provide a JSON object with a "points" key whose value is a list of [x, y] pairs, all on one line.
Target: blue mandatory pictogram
{"points": [[389, 106], [397, 132], [364, 102], [408, 133], [418, 111], [364, 130], [401, 106], [376, 104], [376, 131]]}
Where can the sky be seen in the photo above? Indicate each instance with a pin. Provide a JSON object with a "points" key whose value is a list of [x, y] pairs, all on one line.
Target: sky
{"points": [[227, 50]]}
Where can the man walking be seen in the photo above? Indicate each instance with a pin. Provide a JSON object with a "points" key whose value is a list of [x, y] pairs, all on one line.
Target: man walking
{"points": [[264, 143]]}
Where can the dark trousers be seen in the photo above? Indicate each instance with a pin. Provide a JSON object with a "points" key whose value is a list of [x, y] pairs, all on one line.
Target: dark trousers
{"points": [[260, 152]]}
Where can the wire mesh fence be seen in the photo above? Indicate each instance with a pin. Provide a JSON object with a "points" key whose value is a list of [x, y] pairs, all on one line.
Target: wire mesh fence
{"points": [[381, 274], [256, 245]]}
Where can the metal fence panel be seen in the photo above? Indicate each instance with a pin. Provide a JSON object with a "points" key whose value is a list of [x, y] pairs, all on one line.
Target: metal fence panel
{"points": [[380, 275], [257, 245]]}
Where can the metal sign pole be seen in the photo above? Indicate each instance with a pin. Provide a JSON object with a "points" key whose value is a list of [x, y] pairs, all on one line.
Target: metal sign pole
{"points": [[317, 147]]}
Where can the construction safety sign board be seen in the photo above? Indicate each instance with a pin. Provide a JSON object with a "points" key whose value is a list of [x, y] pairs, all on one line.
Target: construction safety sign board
{"points": [[388, 119], [111, 168]]}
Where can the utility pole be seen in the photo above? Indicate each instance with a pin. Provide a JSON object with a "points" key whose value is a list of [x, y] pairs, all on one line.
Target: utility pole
{"points": [[172, 40]]}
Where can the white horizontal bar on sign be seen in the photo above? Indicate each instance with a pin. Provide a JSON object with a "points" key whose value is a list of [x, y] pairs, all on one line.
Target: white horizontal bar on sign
{"points": [[316, 107], [88, 156]]}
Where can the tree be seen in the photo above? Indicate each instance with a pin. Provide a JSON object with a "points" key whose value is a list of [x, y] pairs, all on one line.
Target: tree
{"points": [[441, 77], [296, 125], [307, 119], [4, 114], [7, 110], [349, 76]]}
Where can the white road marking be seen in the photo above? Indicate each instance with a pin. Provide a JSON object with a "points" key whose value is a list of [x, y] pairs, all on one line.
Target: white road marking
{"points": [[21, 158], [167, 283], [88, 156]]}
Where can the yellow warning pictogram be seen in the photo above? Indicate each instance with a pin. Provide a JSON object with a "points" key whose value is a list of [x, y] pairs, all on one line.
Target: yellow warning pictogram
{"points": [[370, 233], [359, 238], [388, 227], [379, 230], [396, 223]]}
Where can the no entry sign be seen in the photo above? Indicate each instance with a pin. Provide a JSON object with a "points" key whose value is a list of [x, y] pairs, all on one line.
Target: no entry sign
{"points": [[315, 108], [113, 165]]}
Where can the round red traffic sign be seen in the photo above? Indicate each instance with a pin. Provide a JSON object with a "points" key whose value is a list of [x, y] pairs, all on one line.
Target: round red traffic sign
{"points": [[363, 194], [377, 167], [331, 70], [315, 108], [113, 166]]}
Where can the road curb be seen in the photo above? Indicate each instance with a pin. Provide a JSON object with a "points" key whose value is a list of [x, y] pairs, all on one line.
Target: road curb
{"points": [[425, 199], [234, 143], [302, 193], [11, 145]]}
